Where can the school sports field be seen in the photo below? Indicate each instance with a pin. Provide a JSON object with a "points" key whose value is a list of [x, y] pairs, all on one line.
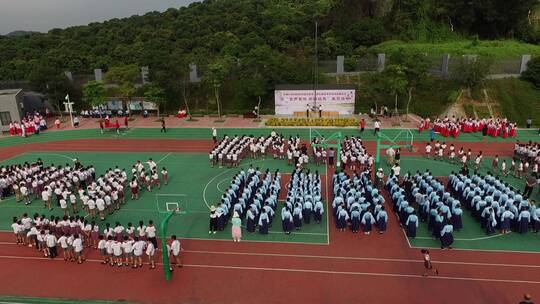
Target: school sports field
{"points": [[316, 264]]}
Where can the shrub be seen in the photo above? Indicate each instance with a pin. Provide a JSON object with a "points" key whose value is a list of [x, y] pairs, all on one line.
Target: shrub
{"points": [[312, 122]]}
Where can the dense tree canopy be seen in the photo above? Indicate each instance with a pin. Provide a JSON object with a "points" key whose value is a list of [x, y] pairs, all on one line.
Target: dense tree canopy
{"points": [[269, 41]]}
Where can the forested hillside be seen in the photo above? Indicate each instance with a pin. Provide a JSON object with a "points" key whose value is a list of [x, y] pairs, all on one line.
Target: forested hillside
{"points": [[246, 47]]}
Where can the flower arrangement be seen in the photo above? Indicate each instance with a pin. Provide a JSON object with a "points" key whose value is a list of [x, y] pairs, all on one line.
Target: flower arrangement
{"points": [[312, 122]]}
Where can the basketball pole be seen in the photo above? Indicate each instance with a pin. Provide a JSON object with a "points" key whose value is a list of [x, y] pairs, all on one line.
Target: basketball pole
{"points": [[164, 251]]}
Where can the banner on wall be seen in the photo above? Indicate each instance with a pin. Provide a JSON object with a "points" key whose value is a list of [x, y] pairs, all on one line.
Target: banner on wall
{"points": [[289, 101]]}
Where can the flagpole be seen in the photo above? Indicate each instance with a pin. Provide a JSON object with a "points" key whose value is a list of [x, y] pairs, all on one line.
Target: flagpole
{"points": [[70, 110]]}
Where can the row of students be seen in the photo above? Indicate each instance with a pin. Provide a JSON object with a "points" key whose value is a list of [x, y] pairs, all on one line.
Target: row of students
{"points": [[117, 246], [28, 180], [147, 179], [357, 202], [432, 192], [229, 151], [354, 155], [304, 200], [453, 126], [253, 196], [496, 204]]}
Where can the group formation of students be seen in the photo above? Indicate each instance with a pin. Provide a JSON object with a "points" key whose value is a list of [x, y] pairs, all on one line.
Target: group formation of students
{"points": [[31, 123], [529, 154], [354, 155], [229, 151], [147, 179], [117, 246], [303, 201], [434, 205], [453, 126], [28, 181], [496, 204], [251, 196], [356, 201]]}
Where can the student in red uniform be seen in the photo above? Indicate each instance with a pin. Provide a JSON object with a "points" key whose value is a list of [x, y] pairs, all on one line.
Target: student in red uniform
{"points": [[427, 263]]}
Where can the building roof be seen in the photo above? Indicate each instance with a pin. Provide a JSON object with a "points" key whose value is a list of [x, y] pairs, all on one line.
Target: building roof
{"points": [[10, 92]]}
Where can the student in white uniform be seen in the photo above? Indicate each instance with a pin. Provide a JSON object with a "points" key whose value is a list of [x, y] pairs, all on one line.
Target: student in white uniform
{"points": [[102, 250], [78, 248], [151, 233], [127, 246], [150, 252], [175, 250], [138, 249], [117, 252]]}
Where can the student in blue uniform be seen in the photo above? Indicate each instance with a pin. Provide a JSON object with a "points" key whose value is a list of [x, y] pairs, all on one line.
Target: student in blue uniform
{"points": [[382, 220], [287, 221], [342, 218], [318, 211], [457, 220], [506, 220], [307, 211], [447, 237], [355, 220], [524, 219], [367, 221], [297, 216], [491, 223], [412, 224], [263, 222], [250, 224]]}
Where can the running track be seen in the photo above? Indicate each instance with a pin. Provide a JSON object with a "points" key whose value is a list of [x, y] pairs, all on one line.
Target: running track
{"points": [[352, 269]]}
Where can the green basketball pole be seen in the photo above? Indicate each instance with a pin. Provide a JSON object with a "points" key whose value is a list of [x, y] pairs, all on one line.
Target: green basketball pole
{"points": [[325, 144], [165, 254]]}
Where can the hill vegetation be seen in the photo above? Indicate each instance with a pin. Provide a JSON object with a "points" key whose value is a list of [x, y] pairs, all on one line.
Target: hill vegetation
{"points": [[243, 48]]}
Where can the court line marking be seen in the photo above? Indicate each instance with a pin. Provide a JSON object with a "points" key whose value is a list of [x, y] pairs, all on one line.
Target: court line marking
{"points": [[306, 256], [163, 158], [459, 239], [352, 273], [328, 272], [479, 250], [327, 204], [294, 232], [51, 154], [220, 174], [223, 180], [346, 258], [250, 241]]}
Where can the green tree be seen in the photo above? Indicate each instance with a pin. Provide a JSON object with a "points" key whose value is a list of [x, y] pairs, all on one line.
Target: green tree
{"points": [[94, 93], [125, 78], [394, 81], [156, 95], [216, 74], [532, 74], [471, 72], [415, 67]]}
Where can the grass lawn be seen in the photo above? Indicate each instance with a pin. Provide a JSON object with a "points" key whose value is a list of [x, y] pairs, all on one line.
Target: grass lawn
{"points": [[518, 99], [496, 49]]}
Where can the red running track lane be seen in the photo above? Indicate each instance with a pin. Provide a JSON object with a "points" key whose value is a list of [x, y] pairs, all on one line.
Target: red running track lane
{"points": [[373, 269]]}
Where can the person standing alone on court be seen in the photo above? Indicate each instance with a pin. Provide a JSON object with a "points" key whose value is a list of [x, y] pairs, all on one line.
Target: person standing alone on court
{"points": [[214, 135], [163, 129]]}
